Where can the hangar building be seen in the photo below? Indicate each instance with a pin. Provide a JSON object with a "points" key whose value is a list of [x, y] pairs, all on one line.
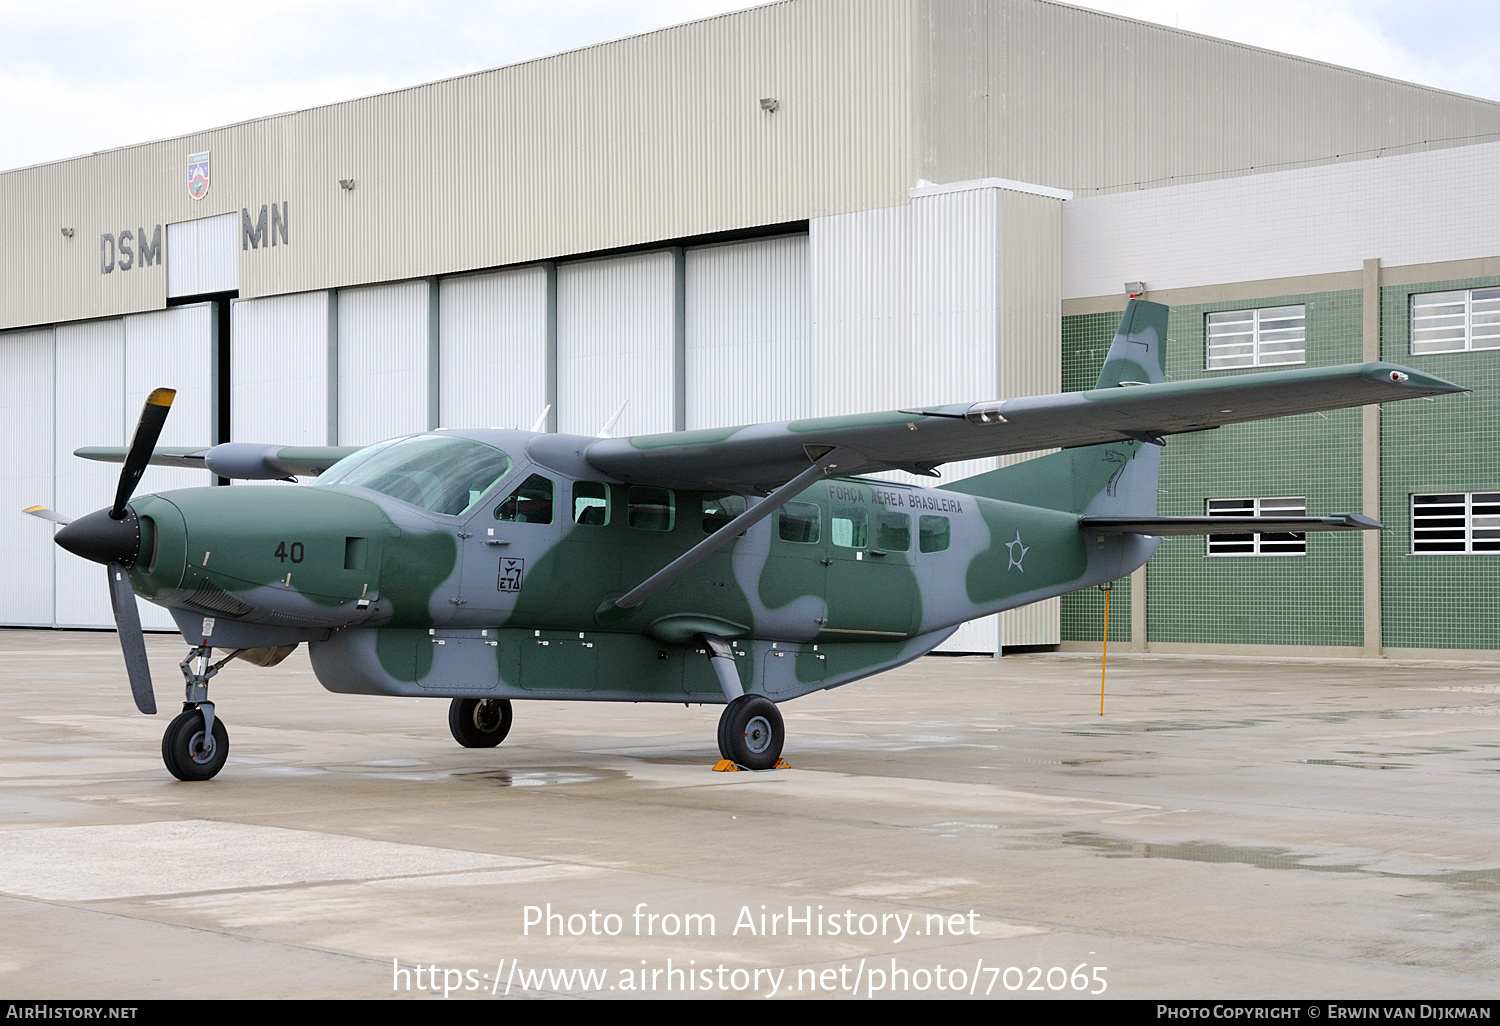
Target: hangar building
{"points": [[811, 207]]}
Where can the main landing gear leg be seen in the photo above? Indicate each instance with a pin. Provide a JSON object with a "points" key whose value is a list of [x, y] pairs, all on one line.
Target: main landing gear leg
{"points": [[196, 743], [750, 729]]}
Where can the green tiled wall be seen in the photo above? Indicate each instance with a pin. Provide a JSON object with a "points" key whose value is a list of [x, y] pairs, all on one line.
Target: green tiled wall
{"points": [[1448, 444], [1085, 341], [1307, 600], [1263, 600]]}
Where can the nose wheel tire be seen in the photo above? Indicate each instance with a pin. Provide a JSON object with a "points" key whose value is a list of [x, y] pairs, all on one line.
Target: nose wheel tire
{"points": [[479, 722], [190, 753], [751, 732]]}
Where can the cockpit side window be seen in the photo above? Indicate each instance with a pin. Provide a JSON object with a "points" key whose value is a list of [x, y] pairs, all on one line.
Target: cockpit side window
{"points": [[529, 504]]}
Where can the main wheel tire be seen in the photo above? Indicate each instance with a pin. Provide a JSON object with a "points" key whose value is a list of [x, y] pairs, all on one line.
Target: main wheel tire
{"points": [[479, 722], [751, 732], [188, 753]]}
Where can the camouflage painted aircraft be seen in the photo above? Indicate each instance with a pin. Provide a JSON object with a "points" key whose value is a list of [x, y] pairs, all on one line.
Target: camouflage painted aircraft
{"points": [[744, 566]]}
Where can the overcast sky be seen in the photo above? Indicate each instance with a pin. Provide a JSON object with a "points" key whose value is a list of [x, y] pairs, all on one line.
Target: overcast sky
{"points": [[81, 76]]}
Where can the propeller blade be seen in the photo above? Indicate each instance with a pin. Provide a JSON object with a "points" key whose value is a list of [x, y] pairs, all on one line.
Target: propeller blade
{"points": [[147, 431], [43, 513], [132, 638]]}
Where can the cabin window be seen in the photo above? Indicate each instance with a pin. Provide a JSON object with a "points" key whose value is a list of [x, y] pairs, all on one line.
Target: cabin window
{"points": [[529, 504], [850, 527], [1269, 544], [1455, 322], [933, 534], [652, 509], [798, 522], [893, 532], [719, 508], [1272, 337], [590, 503]]}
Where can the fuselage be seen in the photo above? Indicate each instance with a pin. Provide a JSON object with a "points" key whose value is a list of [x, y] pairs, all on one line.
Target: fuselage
{"points": [[541, 552]]}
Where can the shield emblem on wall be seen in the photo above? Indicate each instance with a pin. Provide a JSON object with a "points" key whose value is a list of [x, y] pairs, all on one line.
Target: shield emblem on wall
{"points": [[197, 175]]}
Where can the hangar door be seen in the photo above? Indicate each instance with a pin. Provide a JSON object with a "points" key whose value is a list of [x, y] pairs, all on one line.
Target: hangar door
{"points": [[84, 384]]}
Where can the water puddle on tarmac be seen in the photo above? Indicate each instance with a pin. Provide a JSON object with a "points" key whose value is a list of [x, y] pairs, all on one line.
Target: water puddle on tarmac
{"points": [[543, 777], [1267, 858]]}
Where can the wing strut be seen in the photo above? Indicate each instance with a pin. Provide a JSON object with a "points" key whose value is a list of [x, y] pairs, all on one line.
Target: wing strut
{"points": [[831, 460]]}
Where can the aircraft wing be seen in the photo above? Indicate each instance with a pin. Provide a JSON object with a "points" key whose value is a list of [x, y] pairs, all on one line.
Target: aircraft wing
{"points": [[760, 457], [242, 460]]}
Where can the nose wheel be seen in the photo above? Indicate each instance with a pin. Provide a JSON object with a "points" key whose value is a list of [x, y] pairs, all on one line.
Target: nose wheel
{"points": [[193, 750], [196, 743]]}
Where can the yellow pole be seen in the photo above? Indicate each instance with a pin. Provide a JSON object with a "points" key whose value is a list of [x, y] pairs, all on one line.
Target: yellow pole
{"points": [[1103, 663]]}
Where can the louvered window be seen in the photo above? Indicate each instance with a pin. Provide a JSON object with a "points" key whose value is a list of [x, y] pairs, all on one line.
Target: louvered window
{"points": [[1455, 523], [1455, 322], [1271, 544], [1272, 337]]}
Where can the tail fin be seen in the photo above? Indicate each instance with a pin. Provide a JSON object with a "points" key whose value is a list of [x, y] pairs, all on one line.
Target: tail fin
{"points": [[1137, 354], [1115, 479]]}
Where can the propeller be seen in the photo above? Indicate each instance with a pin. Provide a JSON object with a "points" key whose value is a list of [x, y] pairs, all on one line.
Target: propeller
{"points": [[113, 537]]}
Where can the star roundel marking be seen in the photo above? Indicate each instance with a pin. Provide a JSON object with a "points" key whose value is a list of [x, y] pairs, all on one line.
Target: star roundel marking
{"points": [[1017, 553]]}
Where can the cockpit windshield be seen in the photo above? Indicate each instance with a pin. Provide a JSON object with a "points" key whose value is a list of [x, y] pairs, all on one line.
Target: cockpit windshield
{"points": [[441, 473]]}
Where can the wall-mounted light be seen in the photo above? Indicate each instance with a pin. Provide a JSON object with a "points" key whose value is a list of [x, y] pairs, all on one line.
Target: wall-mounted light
{"points": [[1135, 289], [770, 104], [347, 184], [67, 233]]}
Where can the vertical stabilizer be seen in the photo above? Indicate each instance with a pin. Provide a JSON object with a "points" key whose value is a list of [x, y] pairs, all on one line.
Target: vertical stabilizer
{"points": [[1114, 479], [1137, 354]]}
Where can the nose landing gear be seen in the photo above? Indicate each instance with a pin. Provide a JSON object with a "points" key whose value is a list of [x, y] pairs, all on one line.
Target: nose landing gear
{"points": [[196, 743]]}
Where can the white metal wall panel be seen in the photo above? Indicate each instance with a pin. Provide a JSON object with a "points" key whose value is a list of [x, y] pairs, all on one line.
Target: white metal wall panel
{"points": [[382, 362], [1410, 209], [203, 256], [26, 424], [749, 331], [278, 356], [171, 349], [90, 411], [859, 268], [944, 300], [615, 336], [493, 356]]}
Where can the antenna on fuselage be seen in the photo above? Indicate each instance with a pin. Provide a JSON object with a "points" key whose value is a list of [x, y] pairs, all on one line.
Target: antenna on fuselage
{"points": [[541, 421], [607, 428]]}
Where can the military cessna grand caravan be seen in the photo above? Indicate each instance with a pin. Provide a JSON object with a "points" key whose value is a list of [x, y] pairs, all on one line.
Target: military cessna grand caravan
{"points": [[745, 566]]}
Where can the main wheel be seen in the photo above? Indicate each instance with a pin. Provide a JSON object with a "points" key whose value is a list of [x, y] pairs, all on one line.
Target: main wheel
{"points": [[479, 722], [751, 732], [189, 753]]}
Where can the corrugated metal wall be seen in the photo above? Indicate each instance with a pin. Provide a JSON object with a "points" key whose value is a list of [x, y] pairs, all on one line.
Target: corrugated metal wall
{"points": [[616, 337], [279, 369], [661, 136], [1078, 99], [383, 344], [494, 349], [26, 423], [748, 333]]}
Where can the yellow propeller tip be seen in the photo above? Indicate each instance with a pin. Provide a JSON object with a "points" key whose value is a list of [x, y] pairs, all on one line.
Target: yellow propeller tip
{"points": [[32, 509], [161, 397]]}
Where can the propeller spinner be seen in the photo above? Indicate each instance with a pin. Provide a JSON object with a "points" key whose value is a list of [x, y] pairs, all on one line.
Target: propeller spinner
{"points": [[113, 537]]}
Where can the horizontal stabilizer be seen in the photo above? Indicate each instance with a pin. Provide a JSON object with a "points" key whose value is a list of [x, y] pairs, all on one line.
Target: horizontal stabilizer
{"points": [[1158, 527]]}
